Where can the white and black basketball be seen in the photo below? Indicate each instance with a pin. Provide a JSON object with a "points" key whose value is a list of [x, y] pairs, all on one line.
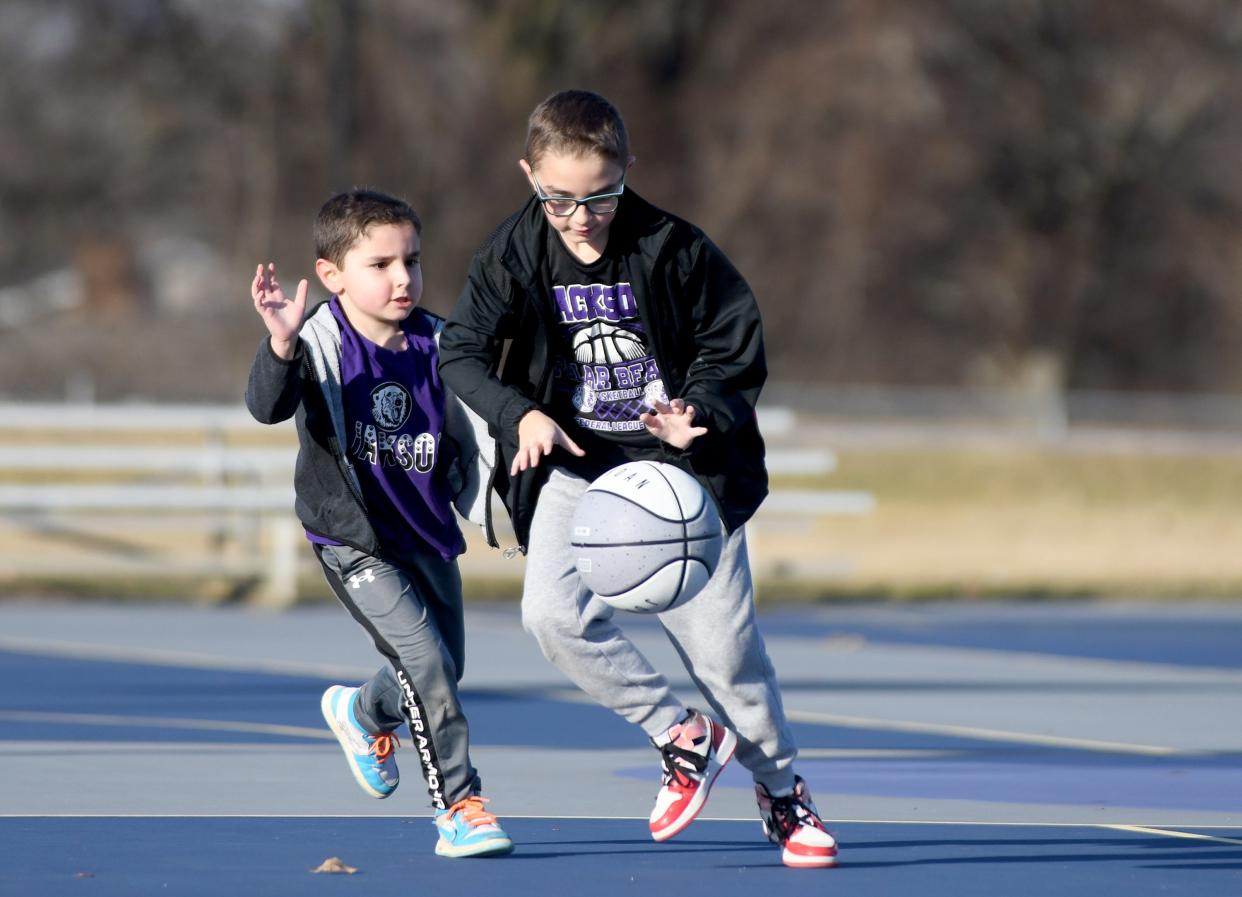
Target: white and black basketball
{"points": [[607, 344], [646, 537]]}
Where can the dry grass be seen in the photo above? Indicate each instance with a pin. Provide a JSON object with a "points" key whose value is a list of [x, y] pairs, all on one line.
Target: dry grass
{"points": [[1036, 523], [948, 523]]}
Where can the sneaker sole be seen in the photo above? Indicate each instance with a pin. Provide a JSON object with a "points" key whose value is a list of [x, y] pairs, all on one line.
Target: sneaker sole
{"points": [[797, 861], [493, 848], [325, 707], [728, 744]]}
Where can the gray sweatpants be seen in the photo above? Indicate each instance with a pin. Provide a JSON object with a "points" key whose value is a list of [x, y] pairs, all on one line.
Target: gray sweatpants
{"points": [[412, 609], [715, 634]]}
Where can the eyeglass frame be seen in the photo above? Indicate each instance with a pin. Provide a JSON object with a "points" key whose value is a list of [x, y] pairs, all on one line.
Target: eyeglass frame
{"points": [[544, 199]]}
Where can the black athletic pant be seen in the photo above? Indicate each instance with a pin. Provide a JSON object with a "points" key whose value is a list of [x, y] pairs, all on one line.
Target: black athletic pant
{"points": [[412, 609]]}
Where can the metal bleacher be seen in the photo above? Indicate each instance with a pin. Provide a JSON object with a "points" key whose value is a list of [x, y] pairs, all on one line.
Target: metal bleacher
{"points": [[134, 491]]}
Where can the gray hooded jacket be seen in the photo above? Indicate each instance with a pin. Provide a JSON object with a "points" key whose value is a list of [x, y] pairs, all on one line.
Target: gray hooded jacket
{"points": [[308, 387]]}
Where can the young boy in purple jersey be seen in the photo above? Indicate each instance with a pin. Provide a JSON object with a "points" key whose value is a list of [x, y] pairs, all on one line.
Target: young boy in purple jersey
{"points": [[382, 447], [596, 329]]}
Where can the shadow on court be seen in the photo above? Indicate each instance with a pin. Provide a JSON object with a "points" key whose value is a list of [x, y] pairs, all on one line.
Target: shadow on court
{"points": [[274, 857]]}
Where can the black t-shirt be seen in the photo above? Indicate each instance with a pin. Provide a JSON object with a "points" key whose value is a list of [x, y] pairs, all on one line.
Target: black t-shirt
{"points": [[604, 375]]}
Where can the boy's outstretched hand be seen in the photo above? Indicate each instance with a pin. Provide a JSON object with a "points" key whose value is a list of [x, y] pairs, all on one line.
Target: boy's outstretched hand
{"points": [[538, 434], [282, 315], [673, 423]]}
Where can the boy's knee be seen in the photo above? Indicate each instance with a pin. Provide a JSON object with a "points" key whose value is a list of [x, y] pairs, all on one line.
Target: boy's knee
{"points": [[454, 668], [535, 620], [548, 626]]}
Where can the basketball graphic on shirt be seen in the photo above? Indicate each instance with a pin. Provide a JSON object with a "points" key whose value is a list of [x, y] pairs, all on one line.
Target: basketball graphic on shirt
{"points": [[584, 397], [607, 344], [654, 392], [390, 405]]}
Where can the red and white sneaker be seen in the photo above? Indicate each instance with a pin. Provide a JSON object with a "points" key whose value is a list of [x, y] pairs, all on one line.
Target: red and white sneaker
{"points": [[699, 749], [793, 822]]}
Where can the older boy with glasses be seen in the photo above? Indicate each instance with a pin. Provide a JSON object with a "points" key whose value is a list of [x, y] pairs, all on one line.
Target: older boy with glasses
{"points": [[596, 329]]}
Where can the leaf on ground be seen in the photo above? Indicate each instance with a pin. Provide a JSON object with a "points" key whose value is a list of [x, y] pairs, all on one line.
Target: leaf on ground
{"points": [[334, 864]]}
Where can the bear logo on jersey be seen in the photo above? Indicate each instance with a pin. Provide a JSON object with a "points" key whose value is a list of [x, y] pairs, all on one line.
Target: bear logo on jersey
{"points": [[390, 405]]}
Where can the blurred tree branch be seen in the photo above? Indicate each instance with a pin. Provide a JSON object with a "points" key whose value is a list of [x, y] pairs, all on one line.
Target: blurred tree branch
{"points": [[962, 192]]}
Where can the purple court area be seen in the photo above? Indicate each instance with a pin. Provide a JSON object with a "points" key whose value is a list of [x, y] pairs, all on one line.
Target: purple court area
{"points": [[121, 857], [984, 749]]}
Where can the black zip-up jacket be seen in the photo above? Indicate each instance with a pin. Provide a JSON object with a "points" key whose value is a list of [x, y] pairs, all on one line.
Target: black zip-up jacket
{"points": [[702, 322]]}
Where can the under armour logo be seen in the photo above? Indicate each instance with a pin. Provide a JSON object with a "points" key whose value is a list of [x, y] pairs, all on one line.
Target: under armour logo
{"points": [[356, 581]]}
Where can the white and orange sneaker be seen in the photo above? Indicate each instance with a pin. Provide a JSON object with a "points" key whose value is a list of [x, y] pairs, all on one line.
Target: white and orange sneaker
{"points": [[793, 822], [696, 752]]}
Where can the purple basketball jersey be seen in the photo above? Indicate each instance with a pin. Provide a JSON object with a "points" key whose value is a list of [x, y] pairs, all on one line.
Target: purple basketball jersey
{"points": [[394, 416]]}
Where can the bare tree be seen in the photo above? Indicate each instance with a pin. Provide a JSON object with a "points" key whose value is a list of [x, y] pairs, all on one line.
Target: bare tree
{"points": [[973, 191]]}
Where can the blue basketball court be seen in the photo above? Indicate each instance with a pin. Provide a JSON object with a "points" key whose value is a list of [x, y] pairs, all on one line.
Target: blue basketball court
{"points": [[1016, 749]]}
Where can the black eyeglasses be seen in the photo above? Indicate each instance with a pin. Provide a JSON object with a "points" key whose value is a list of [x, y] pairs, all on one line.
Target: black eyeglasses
{"points": [[564, 206]]}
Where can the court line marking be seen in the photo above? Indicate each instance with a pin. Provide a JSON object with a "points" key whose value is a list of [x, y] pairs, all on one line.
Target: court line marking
{"points": [[21, 746], [200, 661], [82, 747], [749, 820], [1084, 744], [163, 722], [1174, 833], [183, 659], [1192, 673], [868, 723], [207, 661], [631, 755]]}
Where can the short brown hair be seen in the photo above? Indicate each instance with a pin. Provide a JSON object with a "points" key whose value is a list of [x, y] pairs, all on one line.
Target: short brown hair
{"points": [[579, 123], [346, 217]]}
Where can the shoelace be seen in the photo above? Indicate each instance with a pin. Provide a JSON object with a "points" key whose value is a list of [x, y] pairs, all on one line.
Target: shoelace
{"points": [[471, 809], [674, 758], [382, 746], [788, 813]]}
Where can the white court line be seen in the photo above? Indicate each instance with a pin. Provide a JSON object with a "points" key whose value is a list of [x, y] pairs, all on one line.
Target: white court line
{"points": [[187, 659], [1173, 833], [888, 725], [749, 820], [161, 722], [879, 753], [200, 661], [80, 747], [1179, 672], [83, 746], [208, 661]]}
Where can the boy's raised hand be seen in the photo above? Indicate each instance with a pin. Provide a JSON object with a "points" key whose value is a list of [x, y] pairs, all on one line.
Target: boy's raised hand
{"points": [[282, 315], [673, 423], [538, 434]]}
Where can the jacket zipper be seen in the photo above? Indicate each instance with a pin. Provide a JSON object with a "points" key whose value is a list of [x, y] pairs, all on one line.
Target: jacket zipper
{"points": [[343, 465]]}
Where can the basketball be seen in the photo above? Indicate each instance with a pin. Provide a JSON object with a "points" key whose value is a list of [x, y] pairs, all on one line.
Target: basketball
{"points": [[646, 537], [606, 344]]}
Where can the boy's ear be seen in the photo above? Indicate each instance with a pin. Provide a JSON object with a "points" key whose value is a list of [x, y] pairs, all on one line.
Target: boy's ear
{"points": [[329, 275], [526, 170]]}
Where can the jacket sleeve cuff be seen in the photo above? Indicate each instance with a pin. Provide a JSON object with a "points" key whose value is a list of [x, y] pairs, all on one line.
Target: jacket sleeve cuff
{"points": [[513, 412], [297, 352]]}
